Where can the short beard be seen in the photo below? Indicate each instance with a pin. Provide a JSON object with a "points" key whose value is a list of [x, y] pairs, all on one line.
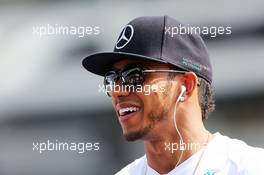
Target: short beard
{"points": [[136, 135], [141, 134], [133, 136]]}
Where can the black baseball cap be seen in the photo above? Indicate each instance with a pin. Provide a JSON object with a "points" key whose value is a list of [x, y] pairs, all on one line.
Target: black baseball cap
{"points": [[155, 38]]}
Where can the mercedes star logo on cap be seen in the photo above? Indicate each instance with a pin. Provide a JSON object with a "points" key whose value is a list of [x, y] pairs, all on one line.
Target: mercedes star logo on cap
{"points": [[125, 37]]}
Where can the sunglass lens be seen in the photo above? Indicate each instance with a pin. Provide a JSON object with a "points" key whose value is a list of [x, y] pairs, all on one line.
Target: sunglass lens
{"points": [[133, 76], [109, 82]]}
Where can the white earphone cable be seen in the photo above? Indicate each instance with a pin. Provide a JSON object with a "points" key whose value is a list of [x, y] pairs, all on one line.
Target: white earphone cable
{"points": [[175, 124]]}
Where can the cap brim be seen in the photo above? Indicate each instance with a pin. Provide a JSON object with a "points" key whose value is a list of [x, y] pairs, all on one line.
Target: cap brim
{"points": [[100, 63]]}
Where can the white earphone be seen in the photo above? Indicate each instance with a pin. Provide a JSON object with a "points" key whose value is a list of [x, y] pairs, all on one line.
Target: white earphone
{"points": [[181, 98]]}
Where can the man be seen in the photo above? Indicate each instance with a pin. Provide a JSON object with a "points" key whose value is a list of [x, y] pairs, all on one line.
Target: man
{"points": [[168, 115]]}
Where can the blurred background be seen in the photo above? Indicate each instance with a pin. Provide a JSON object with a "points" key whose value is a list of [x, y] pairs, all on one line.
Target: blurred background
{"points": [[45, 93]]}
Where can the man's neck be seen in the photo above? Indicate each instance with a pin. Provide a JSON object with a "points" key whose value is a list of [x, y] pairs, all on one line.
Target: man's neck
{"points": [[164, 154]]}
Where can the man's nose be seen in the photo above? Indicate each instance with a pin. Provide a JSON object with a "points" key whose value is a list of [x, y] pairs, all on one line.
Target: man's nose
{"points": [[120, 90]]}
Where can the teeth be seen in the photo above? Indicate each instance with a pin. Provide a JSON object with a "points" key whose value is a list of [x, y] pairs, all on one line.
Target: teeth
{"points": [[122, 111]]}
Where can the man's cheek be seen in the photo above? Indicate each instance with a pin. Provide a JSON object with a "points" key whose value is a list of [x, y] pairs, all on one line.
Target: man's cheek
{"points": [[147, 90], [151, 102], [162, 88]]}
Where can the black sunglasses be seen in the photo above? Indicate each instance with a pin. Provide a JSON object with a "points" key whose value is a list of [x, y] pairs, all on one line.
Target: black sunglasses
{"points": [[131, 75]]}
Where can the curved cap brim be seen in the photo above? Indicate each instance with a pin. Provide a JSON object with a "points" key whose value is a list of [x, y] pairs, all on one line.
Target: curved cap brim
{"points": [[100, 63]]}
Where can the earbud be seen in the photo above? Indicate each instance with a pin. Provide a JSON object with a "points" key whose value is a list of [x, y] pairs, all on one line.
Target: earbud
{"points": [[183, 89], [181, 97]]}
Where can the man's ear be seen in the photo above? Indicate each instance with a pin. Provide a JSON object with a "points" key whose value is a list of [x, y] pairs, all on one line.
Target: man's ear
{"points": [[190, 82]]}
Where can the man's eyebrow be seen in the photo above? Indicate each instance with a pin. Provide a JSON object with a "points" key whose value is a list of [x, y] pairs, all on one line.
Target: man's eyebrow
{"points": [[113, 69], [132, 64], [138, 64]]}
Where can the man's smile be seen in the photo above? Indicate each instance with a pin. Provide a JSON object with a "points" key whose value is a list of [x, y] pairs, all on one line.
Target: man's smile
{"points": [[127, 110]]}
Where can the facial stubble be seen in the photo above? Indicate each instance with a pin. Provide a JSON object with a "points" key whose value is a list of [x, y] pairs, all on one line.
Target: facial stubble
{"points": [[153, 117]]}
